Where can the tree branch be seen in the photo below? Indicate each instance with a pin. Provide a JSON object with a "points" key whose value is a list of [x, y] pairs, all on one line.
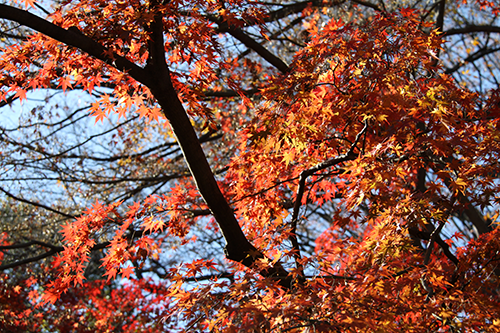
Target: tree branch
{"points": [[350, 155], [53, 250], [252, 44], [297, 7], [238, 248], [229, 93], [472, 28], [440, 17], [368, 4], [8, 100], [29, 260], [37, 204], [72, 38], [473, 57], [276, 34], [473, 214], [427, 235], [30, 243]]}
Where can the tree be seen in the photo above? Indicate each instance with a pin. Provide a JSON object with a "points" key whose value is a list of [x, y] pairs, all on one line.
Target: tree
{"points": [[250, 166]]}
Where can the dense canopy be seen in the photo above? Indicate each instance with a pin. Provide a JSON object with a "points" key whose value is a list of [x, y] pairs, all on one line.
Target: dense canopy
{"points": [[249, 166]]}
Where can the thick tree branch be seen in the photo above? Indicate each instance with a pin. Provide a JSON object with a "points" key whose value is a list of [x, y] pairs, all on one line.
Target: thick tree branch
{"points": [[238, 248], [475, 216], [230, 93], [30, 243], [440, 16], [29, 260], [8, 100]]}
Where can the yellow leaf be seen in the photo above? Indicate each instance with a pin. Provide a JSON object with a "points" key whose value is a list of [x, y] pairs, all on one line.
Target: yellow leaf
{"points": [[460, 182], [289, 156]]}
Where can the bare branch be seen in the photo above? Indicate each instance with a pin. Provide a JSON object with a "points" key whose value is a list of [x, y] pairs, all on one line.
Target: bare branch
{"points": [[29, 260], [471, 58], [53, 250], [253, 44], [472, 28], [37, 204]]}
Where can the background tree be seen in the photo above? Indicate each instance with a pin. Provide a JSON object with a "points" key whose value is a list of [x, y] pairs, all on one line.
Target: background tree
{"points": [[249, 166]]}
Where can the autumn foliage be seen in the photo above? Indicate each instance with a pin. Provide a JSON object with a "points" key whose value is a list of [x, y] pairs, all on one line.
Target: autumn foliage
{"points": [[248, 166]]}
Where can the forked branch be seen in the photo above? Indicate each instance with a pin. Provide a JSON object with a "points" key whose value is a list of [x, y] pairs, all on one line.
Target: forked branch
{"points": [[350, 155]]}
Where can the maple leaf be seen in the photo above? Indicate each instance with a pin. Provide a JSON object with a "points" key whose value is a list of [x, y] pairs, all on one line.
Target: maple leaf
{"points": [[28, 3], [65, 82], [152, 224], [151, 200], [21, 93], [289, 156], [97, 112], [127, 271], [50, 297], [111, 273]]}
